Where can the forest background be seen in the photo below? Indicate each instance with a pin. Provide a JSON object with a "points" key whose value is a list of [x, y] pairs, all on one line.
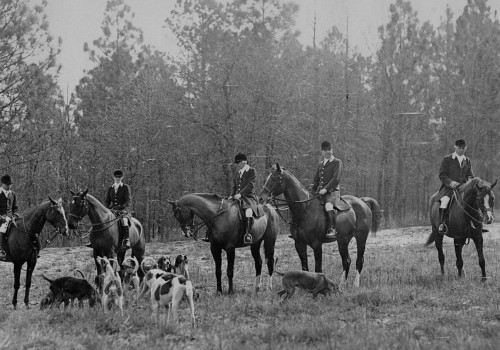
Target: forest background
{"points": [[243, 82]]}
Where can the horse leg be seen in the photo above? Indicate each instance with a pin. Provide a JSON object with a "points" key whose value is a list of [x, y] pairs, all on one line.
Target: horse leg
{"points": [[255, 249], [343, 245], [318, 258], [301, 249], [478, 241], [17, 283], [217, 255], [269, 254], [231, 254], [29, 272], [459, 243], [439, 247]]}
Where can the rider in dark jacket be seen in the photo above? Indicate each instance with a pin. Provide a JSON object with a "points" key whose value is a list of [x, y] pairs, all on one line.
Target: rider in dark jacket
{"points": [[8, 209]]}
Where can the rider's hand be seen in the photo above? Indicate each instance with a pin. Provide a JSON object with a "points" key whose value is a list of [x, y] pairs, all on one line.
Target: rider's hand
{"points": [[454, 184], [8, 218], [322, 191], [237, 196]]}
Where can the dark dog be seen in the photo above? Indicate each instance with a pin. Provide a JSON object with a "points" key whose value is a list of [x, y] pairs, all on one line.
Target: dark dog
{"points": [[181, 266], [311, 282], [66, 290]]}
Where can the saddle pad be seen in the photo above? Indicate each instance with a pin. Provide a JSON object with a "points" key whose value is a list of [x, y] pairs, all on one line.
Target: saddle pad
{"points": [[342, 205]]}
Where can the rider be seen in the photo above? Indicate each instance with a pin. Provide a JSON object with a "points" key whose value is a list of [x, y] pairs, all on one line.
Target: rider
{"points": [[8, 209], [243, 190], [118, 199], [455, 170], [326, 183]]}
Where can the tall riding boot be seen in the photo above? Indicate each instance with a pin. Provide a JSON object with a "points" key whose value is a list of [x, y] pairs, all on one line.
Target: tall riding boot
{"points": [[332, 232], [442, 221], [126, 241], [248, 237], [3, 255]]}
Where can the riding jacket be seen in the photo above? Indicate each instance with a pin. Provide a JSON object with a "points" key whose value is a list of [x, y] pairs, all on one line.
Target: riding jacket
{"points": [[328, 177], [451, 170], [120, 199], [244, 184], [8, 204]]}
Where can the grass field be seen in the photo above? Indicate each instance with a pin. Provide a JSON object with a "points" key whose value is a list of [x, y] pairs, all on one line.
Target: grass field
{"points": [[403, 303]]}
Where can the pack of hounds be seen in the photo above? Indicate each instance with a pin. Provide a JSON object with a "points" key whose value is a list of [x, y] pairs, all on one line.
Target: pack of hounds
{"points": [[167, 285]]}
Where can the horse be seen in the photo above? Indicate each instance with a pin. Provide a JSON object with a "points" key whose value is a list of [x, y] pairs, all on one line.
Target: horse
{"points": [[21, 244], [472, 202], [309, 222], [104, 234], [223, 219]]}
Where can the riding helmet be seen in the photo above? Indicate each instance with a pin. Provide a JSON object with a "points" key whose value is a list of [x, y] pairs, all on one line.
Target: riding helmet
{"points": [[325, 145], [118, 173], [240, 157], [6, 179]]}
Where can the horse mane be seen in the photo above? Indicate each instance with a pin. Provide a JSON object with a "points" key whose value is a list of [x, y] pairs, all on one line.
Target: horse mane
{"points": [[207, 196], [29, 212], [295, 179]]}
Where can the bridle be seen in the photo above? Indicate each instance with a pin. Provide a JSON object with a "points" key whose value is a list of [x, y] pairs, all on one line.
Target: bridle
{"points": [[190, 229], [273, 198], [480, 211], [84, 211]]}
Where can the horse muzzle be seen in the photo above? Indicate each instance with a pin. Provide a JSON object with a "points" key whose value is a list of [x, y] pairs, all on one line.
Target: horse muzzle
{"points": [[488, 218]]}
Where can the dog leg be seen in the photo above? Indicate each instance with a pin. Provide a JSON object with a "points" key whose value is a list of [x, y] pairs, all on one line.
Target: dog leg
{"points": [[190, 295]]}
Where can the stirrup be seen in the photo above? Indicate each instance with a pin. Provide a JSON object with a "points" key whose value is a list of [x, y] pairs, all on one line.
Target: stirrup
{"points": [[126, 244], [332, 233], [248, 238], [442, 228]]}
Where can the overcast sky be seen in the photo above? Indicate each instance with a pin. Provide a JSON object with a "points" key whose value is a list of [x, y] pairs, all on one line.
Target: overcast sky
{"points": [[79, 21]]}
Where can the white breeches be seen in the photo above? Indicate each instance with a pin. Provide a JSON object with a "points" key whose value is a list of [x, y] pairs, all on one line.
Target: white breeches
{"points": [[444, 202]]}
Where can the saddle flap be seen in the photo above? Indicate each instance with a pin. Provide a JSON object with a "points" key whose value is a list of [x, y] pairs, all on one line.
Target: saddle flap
{"points": [[342, 205]]}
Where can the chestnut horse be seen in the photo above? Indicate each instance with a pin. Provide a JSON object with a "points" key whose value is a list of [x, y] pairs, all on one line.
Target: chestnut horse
{"points": [[21, 244], [466, 209], [309, 222], [223, 218], [104, 235]]}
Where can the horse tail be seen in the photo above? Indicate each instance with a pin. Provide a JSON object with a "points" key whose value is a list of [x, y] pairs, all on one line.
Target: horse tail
{"points": [[276, 267], [430, 239], [376, 209]]}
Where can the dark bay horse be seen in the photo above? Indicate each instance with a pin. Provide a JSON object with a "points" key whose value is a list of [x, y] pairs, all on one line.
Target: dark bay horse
{"points": [[104, 235], [471, 204], [309, 223], [222, 217], [20, 243]]}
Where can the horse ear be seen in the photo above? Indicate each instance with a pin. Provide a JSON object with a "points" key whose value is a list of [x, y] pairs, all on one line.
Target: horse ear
{"points": [[172, 203], [494, 183], [72, 193], [52, 201], [278, 167], [84, 193]]}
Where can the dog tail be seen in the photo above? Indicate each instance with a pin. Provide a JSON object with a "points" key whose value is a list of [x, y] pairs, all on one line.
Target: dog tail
{"points": [[81, 273], [146, 267], [47, 279], [276, 267]]}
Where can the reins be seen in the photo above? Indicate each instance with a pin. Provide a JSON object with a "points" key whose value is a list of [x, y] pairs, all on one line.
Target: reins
{"points": [[463, 209]]}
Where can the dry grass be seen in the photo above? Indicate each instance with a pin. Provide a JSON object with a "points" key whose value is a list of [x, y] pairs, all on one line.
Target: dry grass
{"points": [[403, 302]]}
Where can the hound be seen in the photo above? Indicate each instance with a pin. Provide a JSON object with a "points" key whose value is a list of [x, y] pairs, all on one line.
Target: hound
{"points": [[66, 290], [312, 282], [164, 264], [149, 279], [112, 287], [181, 266], [130, 276], [167, 291]]}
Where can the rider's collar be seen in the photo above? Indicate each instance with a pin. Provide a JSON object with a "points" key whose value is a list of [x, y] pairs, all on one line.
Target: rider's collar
{"points": [[244, 169], [460, 158], [328, 160], [117, 185], [6, 192]]}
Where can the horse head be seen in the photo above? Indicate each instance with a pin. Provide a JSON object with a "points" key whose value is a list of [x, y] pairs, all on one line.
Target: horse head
{"points": [[486, 199], [185, 217], [78, 208], [56, 216], [273, 185]]}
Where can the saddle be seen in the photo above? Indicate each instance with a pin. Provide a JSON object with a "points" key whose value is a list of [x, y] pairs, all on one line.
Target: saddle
{"points": [[340, 205]]}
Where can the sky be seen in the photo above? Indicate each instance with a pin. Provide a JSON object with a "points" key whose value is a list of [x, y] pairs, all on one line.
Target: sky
{"points": [[79, 21]]}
